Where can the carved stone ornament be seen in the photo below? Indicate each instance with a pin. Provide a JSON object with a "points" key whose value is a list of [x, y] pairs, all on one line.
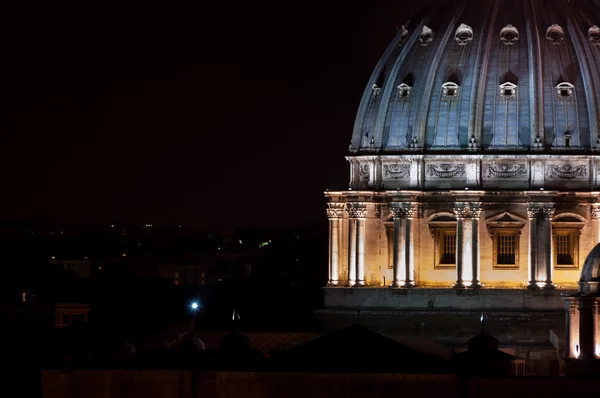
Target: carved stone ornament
{"points": [[463, 34], [356, 210], [555, 34], [509, 35], [468, 210], [508, 90], [449, 90], [335, 210], [564, 90], [567, 171], [406, 210], [376, 90], [505, 170], [535, 211], [426, 36], [595, 212], [594, 35], [446, 170], [396, 171], [572, 308], [364, 171], [403, 35]]}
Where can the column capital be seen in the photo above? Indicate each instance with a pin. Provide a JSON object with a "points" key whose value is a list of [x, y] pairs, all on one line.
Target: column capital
{"points": [[356, 210], [543, 210], [467, 209], [335, 210], [595, 212], [378, 210], [406, 209]]}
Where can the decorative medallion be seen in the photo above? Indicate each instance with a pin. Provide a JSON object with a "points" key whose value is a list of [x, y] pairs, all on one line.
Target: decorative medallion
{"points": [[396, 171], [509, 35], [426, 36], [364, 172], [594, 35], [505, 170], [567, 171], [446, 170], [463, 34], [555, 34]]}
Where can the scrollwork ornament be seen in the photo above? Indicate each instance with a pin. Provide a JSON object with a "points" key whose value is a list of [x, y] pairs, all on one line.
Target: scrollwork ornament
{"points": [[446, 170], [396, 170], [412, 209], [567, 171], [396, 209]]}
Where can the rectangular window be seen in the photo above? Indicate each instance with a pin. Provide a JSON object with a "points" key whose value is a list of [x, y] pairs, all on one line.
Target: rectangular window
{"points": [[446, 247], [506, 248], [566, 247]]}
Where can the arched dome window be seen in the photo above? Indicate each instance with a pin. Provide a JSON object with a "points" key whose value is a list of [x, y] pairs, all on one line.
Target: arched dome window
{"points": [[463, 34], [426, 36], [509, 35], [555, 34], [450, 89], [564, 90], [403, 35], [594, 35], [376, 90]]}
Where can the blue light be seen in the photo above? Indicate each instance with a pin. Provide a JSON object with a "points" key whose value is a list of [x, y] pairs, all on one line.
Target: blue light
{"points": [[194, 306]]}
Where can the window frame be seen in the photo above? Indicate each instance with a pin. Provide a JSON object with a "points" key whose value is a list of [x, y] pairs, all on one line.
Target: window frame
{"points": [[574, 232], [497, 232], [439, 231]]}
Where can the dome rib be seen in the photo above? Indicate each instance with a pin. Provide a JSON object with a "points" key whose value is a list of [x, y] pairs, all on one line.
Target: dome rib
{"points": [[424, 98], [589, 86], [536, 84]]}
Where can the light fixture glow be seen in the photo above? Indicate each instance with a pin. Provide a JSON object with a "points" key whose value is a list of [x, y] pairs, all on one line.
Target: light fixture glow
{"points": [[194, 306]]}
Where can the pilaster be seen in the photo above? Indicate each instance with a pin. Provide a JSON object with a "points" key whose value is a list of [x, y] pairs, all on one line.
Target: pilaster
{"points": [[335, 212], [357, 212]]}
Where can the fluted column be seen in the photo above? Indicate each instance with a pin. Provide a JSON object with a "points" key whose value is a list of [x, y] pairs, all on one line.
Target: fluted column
{"points": [[357, 213], [532, 214], [571, 327], [460, 213], [334, 213], [475, 251], [412, 210], [540, 245], [467, 244], [399, 245]]}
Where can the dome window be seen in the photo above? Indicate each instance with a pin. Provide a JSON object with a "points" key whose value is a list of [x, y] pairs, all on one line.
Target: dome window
{"points": [[594, 35], [404, 90], [376, 90], [564, 90], [426, 36], [568, 140], [450, 89], [463, 35], [555, 34], [508, 90], [509, 35]]}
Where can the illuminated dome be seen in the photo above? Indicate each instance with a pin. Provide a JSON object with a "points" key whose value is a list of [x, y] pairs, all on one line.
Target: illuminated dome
{"points": [[478, 76], [590, 274]]}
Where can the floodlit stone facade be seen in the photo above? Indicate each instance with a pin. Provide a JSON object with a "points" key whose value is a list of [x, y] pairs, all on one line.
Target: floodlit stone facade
{"points": [[474, 158]]}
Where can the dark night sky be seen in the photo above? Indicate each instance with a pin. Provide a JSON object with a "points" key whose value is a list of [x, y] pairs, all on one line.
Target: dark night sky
{"points": [[222, 116]]}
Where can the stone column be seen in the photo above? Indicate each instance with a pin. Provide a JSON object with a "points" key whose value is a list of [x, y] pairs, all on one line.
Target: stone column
{"points": [[475, 252], [571, 327], [467, 242], [532, 214], [595, 216], [540, 245], [334, 213], [586, 327], [545, 243], [399, 245], [597, 328], [357, 213], [412, 210], [460, 217]]}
